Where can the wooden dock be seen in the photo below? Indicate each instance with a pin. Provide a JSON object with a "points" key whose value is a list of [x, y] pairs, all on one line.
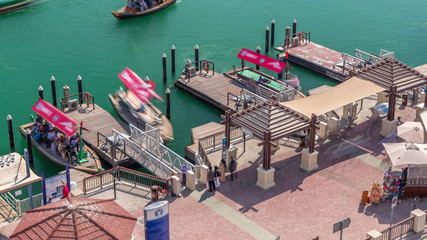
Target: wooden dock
{"points": [[319, 59], [212, 89], [99, 125]]}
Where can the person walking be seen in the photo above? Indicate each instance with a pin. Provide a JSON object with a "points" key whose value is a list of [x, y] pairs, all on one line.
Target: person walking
{"points": [[211, 179], [217, 174], [233, 166], [222, 167]]}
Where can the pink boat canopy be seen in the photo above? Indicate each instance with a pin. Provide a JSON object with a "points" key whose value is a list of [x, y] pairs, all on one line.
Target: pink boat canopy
{"points": [[261, 60], [56, 117], [143, 90]]}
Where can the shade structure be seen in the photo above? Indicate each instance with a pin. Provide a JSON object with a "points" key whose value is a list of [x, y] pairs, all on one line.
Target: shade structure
{"points": [[411, 131], [406, 153], [76, 218], [347, 92]]}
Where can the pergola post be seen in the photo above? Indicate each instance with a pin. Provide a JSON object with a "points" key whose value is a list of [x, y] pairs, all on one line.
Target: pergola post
{"points": [[266, 172], [312, 133], [266, 164], [227, 127], [390, 124], [392, 103]]}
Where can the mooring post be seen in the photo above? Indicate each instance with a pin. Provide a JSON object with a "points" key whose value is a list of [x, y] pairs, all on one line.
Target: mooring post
{"points": [[280, 75], [53, 87], [165, 77], [267, 36], [173, 58], [41, 92], [196, 56], [294, 28], [288, 38], [273, 23], [80, 88], [258, 50], [168, 103], [29, 146], [10, 128]]}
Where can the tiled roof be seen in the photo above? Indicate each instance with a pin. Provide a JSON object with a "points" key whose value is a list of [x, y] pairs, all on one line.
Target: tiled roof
{"points": [[76, 218]]}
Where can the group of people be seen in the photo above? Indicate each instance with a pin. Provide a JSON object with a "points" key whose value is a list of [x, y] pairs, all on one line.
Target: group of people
{"points": [[55, 140], [142, 5], [214, 175]]}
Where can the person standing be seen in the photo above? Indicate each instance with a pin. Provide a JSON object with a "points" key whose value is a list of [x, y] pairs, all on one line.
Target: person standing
{"points": [[233, 166], [184, 175], [65, 190], [211, 179]]}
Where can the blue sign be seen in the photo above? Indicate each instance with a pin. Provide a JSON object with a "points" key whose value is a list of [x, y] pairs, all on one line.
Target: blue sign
{"points": [[156, 217]]}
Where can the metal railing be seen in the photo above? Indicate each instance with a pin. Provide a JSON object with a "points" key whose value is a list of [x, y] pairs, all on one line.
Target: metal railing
{"points": [[155, 147], [108, 178], [399, 229], [25, 205], [65, 101], [11, 203]]}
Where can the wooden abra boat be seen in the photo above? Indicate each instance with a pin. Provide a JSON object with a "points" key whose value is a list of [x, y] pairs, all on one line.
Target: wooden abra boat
{"points": [[13, 5], [128, 12], [128, 107], [90, 163]]}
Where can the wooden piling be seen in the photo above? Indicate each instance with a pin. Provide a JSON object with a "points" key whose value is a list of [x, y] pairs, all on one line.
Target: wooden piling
{"points": [[10, 129], [29, 146], [165, 77], [294, 28], [173, 58], [80, 89], [53, 88], [267, 36], [168, 103], [196, 56], [40, 92], [273, 23], [258, 50]]}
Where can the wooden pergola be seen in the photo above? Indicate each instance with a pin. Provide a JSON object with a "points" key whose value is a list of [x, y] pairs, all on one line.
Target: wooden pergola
{"points": [[393, 75], [270, 121]]}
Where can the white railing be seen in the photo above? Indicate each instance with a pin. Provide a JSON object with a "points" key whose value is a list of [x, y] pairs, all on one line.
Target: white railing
{"points": [[25, 205]]}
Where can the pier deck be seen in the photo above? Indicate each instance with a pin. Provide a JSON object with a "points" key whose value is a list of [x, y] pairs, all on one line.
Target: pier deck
{"points": [[319, 59], [98, 121], [212, 89]]}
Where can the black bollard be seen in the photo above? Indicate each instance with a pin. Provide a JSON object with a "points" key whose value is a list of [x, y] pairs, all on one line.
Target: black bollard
{"points": [[196, 56], [29, 147], [165, 76], [294, 28], [40, 92], [168, 103], [80, 89], [10, 128], [258, 50], [267, 36], [173, 58], [273, 23], [280, 75], [53, 87]]}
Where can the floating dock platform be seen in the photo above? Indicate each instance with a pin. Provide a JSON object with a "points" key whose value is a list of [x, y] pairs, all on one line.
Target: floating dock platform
{"points": [[99, 125], [319, 59]]}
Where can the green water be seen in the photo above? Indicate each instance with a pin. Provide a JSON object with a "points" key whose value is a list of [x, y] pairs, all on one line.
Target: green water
{"points": [[71, 38]]}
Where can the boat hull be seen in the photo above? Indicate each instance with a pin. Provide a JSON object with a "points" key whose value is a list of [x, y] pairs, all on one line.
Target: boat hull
{"points": [[14, 5], [122, 108], [122, 13], [57, 159]]}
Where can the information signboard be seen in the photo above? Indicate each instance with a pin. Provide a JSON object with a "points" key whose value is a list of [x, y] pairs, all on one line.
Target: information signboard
{"points": [[156, 217]]}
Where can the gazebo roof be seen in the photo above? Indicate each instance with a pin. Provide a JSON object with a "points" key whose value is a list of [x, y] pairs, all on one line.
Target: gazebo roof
{"points": [[270, 116], [76, 218], [13, 173], [390, 72]]}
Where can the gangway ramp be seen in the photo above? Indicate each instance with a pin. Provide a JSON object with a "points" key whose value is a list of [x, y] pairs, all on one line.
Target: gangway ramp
{"points": [[147, 149]]}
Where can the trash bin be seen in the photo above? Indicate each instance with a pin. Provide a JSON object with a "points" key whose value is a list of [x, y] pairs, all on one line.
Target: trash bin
{"points": [[154, 193]]}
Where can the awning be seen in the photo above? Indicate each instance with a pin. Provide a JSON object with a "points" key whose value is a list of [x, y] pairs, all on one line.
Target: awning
{"points": [[345, 93]]}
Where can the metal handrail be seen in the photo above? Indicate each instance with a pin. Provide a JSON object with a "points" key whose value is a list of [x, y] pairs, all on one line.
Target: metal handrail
{"points": [[398, 229], [121, 174]]}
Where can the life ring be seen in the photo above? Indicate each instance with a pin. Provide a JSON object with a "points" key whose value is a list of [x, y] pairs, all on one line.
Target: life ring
{"points": [[301, 36], [206, 66], [87, 97]]}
